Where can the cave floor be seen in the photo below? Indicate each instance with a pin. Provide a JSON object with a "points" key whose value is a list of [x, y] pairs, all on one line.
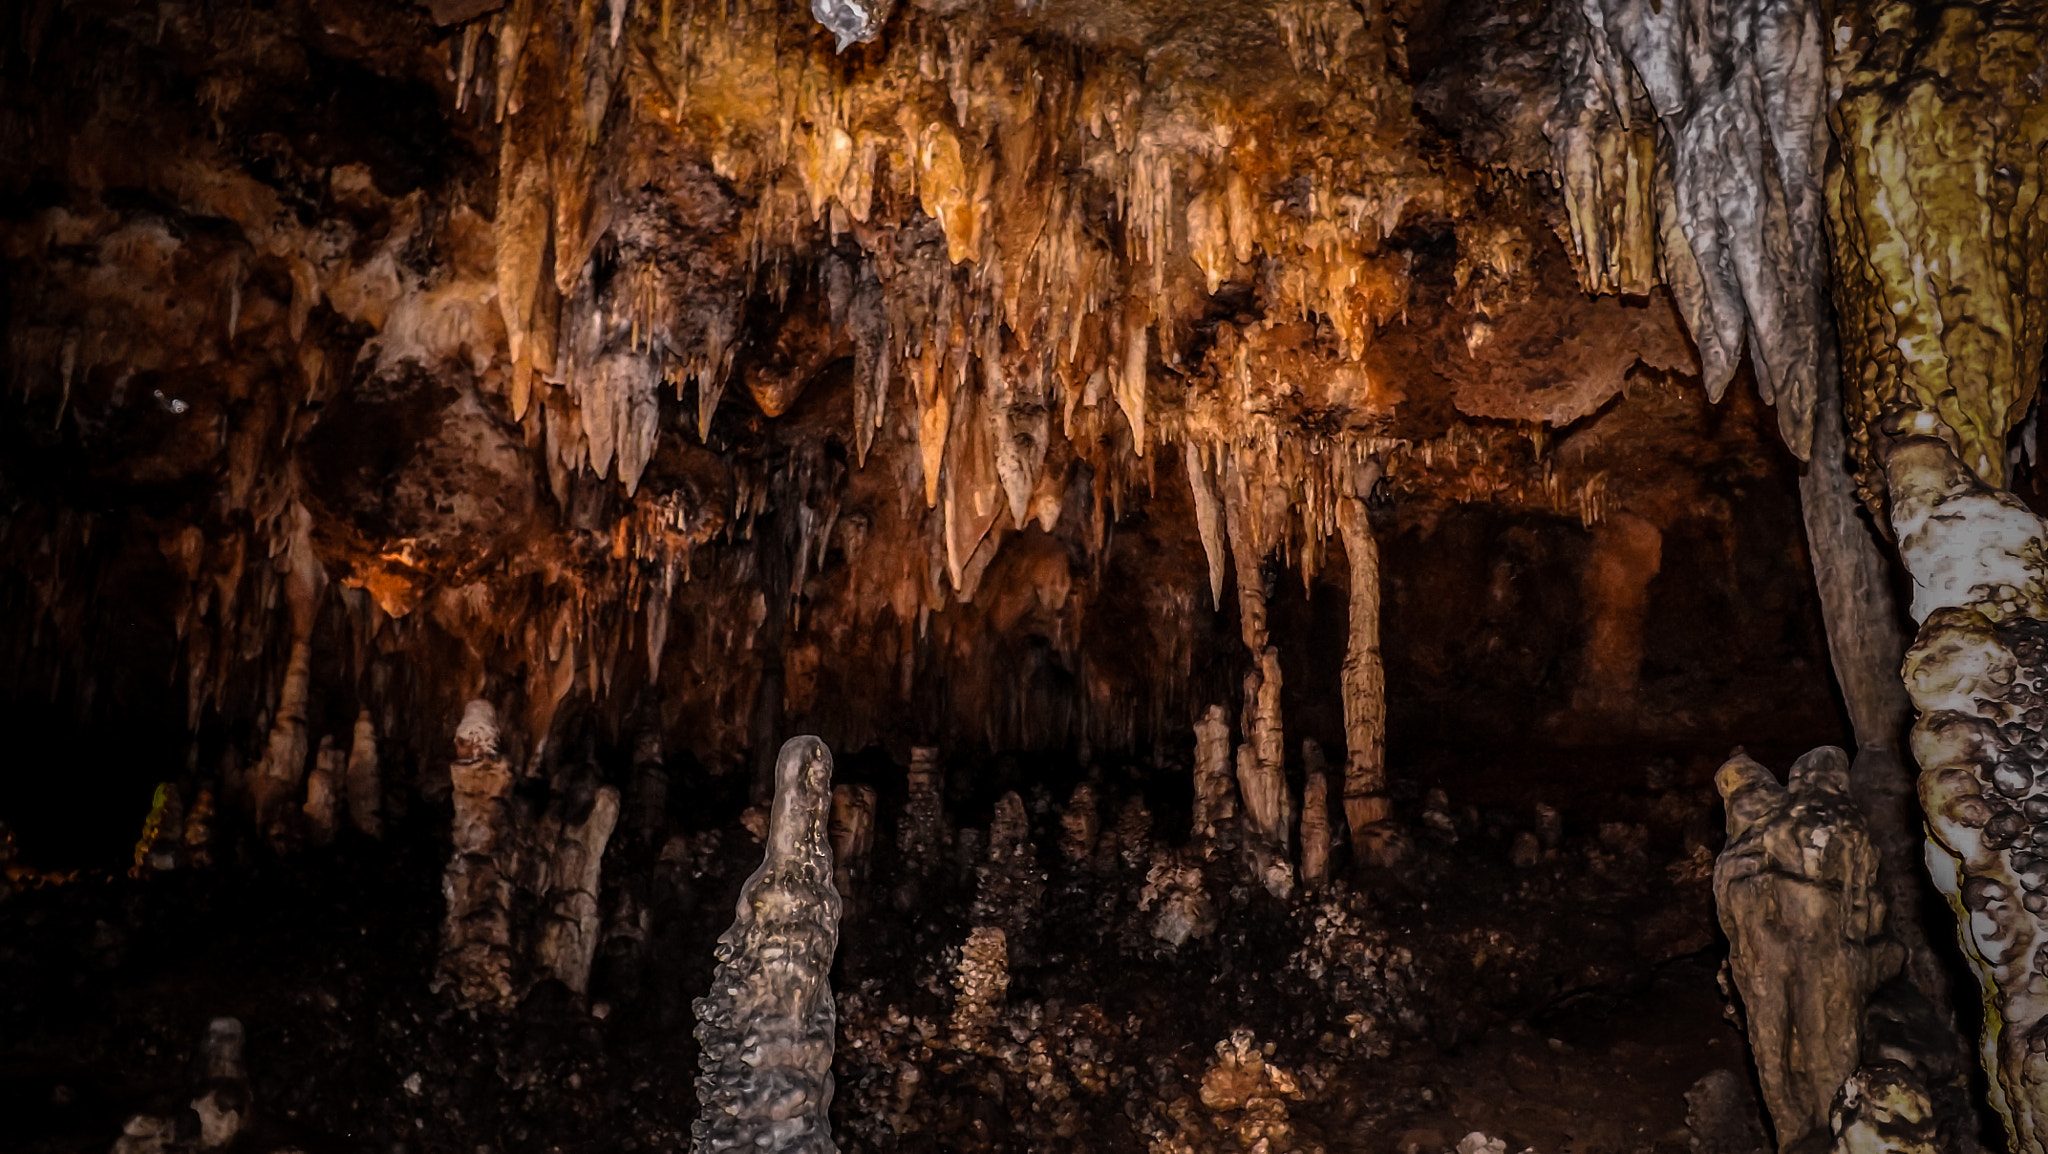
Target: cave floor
{"points": [[1563, 1005]]}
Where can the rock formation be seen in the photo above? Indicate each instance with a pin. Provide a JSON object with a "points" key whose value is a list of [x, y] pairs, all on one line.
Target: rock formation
{"points": [[477, 958], [1797, 889], [767, 1024]]}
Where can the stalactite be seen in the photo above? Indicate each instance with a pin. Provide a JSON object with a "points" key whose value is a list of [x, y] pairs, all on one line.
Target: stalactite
{"points": [[767, 1025], [1743, 244]]}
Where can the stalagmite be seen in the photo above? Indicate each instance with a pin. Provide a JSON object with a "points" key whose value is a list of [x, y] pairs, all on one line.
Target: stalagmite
{"points": [[568, 935], [1315, 815], [1215, 783], [1080, 824], [364, 782], [476, 937], [1366, 807], [1262, 779], [324, 789], [1797, 890], [1010, 885], [649, 808], [1174, 888], [274, 784], [921, 834], [223, 1106], [767, 1025], [979, 984], [1883, 1109], [853, 839]]}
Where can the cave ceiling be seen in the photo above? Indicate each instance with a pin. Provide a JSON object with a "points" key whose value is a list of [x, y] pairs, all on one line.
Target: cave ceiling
{"points": [[563, 352]]}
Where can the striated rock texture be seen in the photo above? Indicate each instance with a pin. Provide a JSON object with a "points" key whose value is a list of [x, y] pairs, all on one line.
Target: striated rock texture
{"points": [[767, 1024], [1797, 890]]}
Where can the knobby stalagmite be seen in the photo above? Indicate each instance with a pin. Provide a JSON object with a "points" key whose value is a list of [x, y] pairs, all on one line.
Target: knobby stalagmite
{"points": [[767, 1025]]}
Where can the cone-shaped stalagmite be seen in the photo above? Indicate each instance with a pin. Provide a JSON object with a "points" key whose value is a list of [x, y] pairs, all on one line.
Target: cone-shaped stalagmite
{"points": [[767, 1024]]}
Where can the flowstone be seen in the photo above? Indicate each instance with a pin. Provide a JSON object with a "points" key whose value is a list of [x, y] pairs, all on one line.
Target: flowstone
{"points": [[767, 1025]]}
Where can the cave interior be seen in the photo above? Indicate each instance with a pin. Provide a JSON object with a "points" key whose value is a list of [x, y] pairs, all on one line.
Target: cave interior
{"points": [[1261, 577]]}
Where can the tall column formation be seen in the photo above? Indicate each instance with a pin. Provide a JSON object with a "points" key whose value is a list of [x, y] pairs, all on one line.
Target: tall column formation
{"points": [[1366, 808], [476, 936], [1941, 284], [1978, 674], [1262, 759], [767, 1025], [1797, 890], [1866, 642]]}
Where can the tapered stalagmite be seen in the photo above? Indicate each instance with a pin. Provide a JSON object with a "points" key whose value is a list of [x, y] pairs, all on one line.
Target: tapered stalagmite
{"points": [[767, 1025], [476, 936], [1364, 689], [1797, 890]]}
